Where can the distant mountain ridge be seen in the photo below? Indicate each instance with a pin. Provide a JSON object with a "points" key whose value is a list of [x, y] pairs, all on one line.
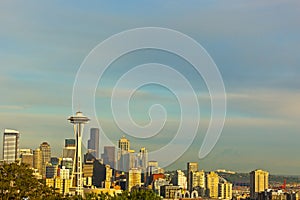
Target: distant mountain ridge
{"points": [[245, 178]]}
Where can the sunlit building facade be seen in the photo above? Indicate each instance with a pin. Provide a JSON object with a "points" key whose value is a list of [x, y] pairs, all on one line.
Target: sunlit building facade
{"points": [[10, 145], [259, 181], [212, 185]]}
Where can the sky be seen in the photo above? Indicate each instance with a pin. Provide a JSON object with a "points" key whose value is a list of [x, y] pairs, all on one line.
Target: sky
{"points": [[254, 44]]}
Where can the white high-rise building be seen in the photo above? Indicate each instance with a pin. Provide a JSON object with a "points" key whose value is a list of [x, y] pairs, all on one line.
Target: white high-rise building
{"points": [[10, 145], [143, 159], [126, 158]]}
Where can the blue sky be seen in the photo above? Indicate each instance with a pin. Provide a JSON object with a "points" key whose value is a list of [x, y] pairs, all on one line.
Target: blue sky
{"points": [[255, 45]]}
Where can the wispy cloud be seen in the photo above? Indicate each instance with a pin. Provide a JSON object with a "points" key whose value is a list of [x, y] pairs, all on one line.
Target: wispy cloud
{"points": [[11, 107], [266, 103]]}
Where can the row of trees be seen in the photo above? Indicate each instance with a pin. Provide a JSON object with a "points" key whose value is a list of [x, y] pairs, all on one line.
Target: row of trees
{"points": [[133, 195], [18, 182]]}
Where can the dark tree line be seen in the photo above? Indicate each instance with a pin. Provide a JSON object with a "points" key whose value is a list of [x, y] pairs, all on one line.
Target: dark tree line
{"points": [[125, 195]]}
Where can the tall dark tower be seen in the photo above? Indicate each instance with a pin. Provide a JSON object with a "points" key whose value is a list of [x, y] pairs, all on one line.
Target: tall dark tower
{"points": [[93, 142], [109, 156]]}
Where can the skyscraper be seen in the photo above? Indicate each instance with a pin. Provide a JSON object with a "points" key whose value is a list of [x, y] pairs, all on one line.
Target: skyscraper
{"points": [[126, 156], [259, 181], [191, 167], [109, 156], [93, 142], [124, 144], [46, 156], [69, 149], [212, 185], [37, 160], [10, 145], [143, 159]]}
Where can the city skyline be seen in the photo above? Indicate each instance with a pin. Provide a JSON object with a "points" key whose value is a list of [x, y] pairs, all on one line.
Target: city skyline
{"points": [[191, 165], [254, 44]]}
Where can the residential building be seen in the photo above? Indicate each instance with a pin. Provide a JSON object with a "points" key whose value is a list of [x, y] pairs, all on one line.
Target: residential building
{"points": [[198, 179], [259, 181], [26, 156], [180, 179], [157, 183], [212, 184], [270, 194], [134, 178], [169, 191], [225, 191], [63, 182]]}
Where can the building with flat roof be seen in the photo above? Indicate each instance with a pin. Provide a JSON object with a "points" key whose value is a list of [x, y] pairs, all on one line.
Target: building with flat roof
{"points": [[46, 157], [169, 191], [212, 185], [134, 178], [93, 142], [37, 160], [225, 190], [259, 181], [109, 156], [10, 145], [191, 167]]}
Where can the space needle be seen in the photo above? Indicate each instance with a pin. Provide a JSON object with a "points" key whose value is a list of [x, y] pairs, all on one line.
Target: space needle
{"points": [[78, 121]]}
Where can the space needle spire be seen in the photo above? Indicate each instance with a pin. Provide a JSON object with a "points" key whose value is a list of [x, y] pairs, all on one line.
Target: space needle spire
{"points": [[78, 122]]}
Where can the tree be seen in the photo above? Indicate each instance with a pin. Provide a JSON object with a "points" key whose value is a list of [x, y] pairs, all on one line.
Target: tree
{"points": [[143, 194], [17, 182]]}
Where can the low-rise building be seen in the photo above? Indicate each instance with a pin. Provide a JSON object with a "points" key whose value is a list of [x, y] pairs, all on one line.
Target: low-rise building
{"points": [[169, 191]]}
